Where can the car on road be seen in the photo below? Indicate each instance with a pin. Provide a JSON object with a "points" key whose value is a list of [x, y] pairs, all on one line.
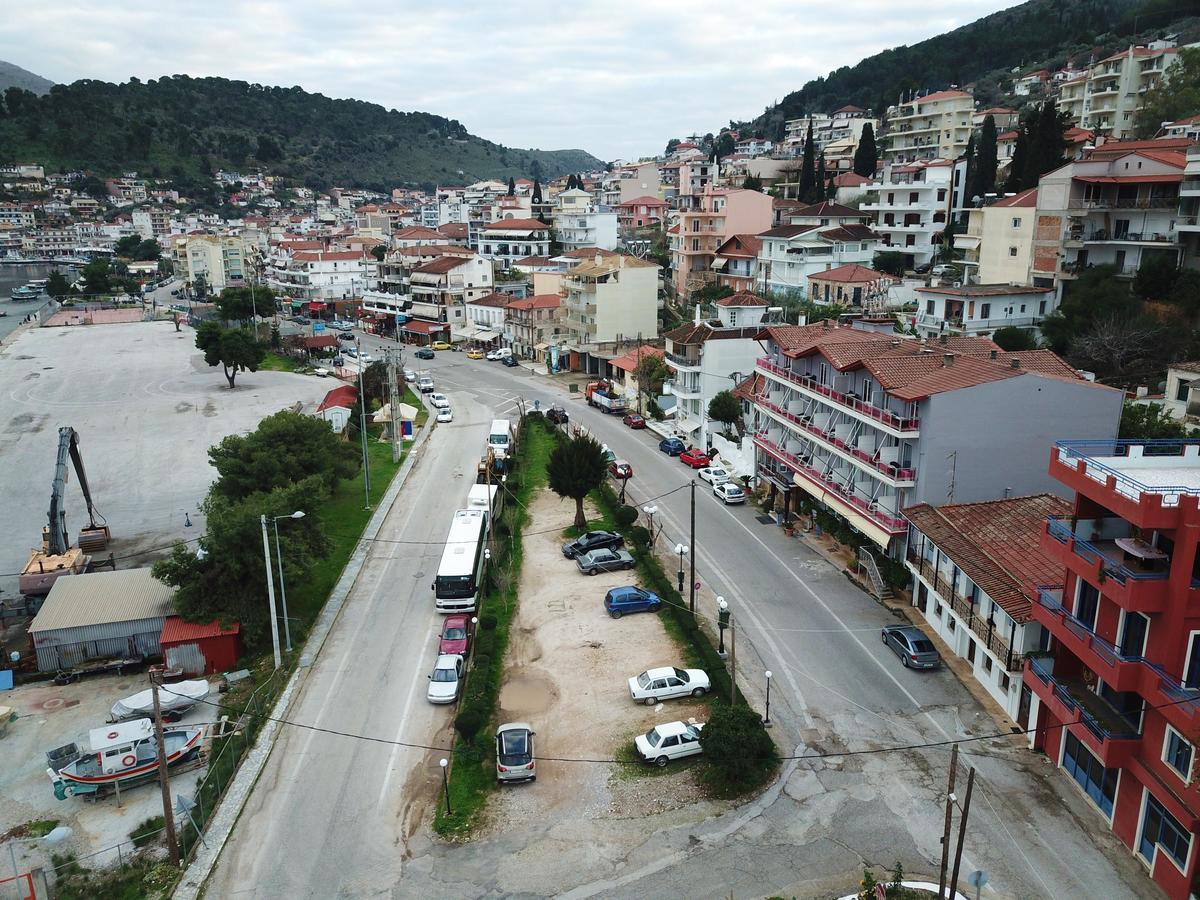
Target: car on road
{"points": [[345, 336], [557, 415], [410, 375], [351, 351], [667, 682], [366, 358], [445, 415], [425, 384], [620, 468], [439, 401], [633, 420], [695, 457], [603, 560], [592, 540], [509, 361], [630, 599], [474, 353], [446, 678], [456, 636], [515, 759], [423, 353], [492, 355], [728, 492], [338, 362], [714, 475], [944, 271], [671, 740], [671, 446], [915, 650], [440, 345]]}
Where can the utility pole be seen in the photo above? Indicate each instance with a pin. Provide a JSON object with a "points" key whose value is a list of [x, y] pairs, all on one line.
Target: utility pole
{"points": [[362, 428], [946, 828], [163, 783], [394, 399], [692, 595], [271, 592], [732, 661], [962, 830]]}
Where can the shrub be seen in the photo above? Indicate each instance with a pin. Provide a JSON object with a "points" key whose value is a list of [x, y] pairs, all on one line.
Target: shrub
{"points": [[148, 831], [487, 622], [472, 718], [640, 535], [737, 746], [625, 516]]}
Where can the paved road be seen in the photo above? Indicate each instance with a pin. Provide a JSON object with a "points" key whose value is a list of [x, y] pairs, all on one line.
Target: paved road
{"points": [[836, 688]]}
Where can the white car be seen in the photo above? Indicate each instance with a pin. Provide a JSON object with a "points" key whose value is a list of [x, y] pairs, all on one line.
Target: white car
{"points": [[366, 359], [729, 493], [350, 351], [671, 740], [446, 678], [713, 475], [410, 375], [425, 385], [440, 401], [445, 415], [662, 684], [492, 355]]}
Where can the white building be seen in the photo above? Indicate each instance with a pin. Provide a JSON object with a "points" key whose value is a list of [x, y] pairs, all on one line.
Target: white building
{"points": [[911, 205], [792, 253], [936, 126], [608, 299], [581, 224], [218, 259], [979, 309], [325, 274], [508, 240]]}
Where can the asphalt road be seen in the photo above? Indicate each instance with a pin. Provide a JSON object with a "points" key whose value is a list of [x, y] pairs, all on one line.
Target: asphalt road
{"points": [[836, 689]]}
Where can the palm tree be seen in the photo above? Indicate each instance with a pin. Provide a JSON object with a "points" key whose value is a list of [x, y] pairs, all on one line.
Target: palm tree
{"points": [[576, 468]]}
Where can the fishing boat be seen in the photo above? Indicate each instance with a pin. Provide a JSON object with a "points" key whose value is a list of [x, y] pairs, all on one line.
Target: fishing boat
{"points": [[172, 699], [25, 292], [121, 755]]}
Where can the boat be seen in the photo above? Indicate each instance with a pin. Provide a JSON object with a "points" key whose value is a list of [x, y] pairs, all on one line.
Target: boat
{"points": [[26, 292], [121, 755], [172, 698]]}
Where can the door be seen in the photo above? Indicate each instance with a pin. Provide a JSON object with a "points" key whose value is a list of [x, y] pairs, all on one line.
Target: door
{"points": [[1133, 634], [1023, 707]]}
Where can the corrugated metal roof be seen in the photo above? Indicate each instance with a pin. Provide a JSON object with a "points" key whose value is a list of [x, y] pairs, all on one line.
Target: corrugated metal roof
{"points": [[96, 598]]}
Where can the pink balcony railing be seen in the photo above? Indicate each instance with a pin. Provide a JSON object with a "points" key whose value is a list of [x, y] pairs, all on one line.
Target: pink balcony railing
{"points": [[807, 382]]}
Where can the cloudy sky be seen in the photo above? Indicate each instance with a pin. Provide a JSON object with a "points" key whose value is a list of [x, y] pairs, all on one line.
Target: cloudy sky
{"points": [[615, 78]]}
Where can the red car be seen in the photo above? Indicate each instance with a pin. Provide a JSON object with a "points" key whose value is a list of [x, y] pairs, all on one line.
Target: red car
{"points": [[455, 635], [620, 468], [694, 457], [633, 420]]}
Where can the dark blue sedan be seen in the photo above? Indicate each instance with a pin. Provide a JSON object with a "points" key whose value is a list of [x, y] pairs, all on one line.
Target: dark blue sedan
{"points": [[671, 446]]}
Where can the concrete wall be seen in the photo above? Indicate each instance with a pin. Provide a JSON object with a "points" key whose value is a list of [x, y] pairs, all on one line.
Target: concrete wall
{"points": [[1002, 433]]}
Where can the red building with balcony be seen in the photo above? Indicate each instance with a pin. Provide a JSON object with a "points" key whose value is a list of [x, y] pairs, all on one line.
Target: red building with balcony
{"points": [[1117, 688]]}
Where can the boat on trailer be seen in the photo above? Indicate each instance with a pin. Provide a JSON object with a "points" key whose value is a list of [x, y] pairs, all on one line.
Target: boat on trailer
{"points": [[121, 755]]}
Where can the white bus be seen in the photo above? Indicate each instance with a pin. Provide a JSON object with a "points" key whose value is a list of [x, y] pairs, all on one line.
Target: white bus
{"points": [[500, 437], [460, 573]]}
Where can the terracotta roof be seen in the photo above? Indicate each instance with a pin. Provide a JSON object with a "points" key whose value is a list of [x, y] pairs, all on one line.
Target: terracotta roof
{"points": [[851, 273], [1025, 198], [176, 630], [1006, 136], [534, 261], [742, 298], [750, 387], [455, 229], [588, 253], [849, 108], [850, 179], [517, 225], [319, 341], [416, 326], [627, 362], [494, 299], [692, 333], [608, 265], [1119, 148], [995, 110], [442, 265], [748, 244], [785, 231], [340, 397], [643, 201], [827, 208], [848, 233], [417, 232], [537, 301], [997, 545], [937, 95], [328, 255], [1191, 366]]}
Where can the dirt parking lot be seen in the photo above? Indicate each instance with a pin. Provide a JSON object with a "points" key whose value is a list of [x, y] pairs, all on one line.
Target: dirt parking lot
{"points": [[567, 671]]}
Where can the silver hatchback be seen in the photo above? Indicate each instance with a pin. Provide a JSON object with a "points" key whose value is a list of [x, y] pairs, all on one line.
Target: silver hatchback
{"points": [[912, 646], [514, 753]]}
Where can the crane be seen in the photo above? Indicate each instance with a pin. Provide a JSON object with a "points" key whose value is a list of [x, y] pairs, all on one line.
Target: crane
{"points": [[58, 556]]}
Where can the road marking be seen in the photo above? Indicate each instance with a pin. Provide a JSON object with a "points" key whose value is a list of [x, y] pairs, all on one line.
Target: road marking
{"points": [[412, 692]]}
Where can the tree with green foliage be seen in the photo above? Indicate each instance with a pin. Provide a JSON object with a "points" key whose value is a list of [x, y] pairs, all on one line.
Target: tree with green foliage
{"points": [[672, 144], [1148, 422], [971, 178], [890, 262], [97, 277], [576, 468], [1156, 276], [808, 167], [1175, 96], [57, 285], [1046, 144], [726, 409], [737, 746], [1185, 293], [1096, 294], [200, 287], [1016, 165], [237, 304], [536, 196], [822, 186], [724, 146], [512, 186], [234, 349], [379, 251], [752, 183], [985, 160], [866, 154], [128, 245], [1010, 338], [651, 373], [285, 447]]}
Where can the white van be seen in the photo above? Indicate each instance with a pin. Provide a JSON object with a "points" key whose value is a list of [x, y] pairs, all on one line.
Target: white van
{"points": [[500, 437]]}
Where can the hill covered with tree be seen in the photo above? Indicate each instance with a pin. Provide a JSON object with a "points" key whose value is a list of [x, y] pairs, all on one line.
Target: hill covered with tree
{"points": [[14, 76], [182, 127]]}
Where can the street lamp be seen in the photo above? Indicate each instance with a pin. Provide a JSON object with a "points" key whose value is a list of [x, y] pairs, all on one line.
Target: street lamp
{"points": [[650, 511], [767, 720], [443, 762], [722, 624], [682, 550], [362, 426], [56, 836], [270, 591], [287, 626]]}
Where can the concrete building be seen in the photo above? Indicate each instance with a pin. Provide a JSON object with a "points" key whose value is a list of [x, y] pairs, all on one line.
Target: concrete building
{"points": [[532, 324], [911, 205], [607, 299], [998, 242], [322, 275], [979, 309], [936, 126], [977, 569], [152, 221], [219, 259], [440, 291], [790, 254], [1188, 222], [1116, 692], [736, 262], [581, 223], [630, 182], [851, 285], [640, 212], [716, 215], [508, 240], [866, 424]]}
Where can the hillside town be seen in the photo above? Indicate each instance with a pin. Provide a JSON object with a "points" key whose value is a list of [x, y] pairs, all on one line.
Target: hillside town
{"points": [[933, 369]]}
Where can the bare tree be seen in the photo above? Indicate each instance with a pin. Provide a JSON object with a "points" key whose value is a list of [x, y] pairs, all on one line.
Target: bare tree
{"points": [[1114, 343]]}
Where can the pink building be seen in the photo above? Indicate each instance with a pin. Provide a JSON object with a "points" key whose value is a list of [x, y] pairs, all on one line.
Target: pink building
{"points": [[715, 215], [640, 212]]}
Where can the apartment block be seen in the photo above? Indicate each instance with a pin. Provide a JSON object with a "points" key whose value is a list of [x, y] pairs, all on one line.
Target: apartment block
{"points": [[1116, 688], [1188, 223], [508, 240], [607, 299], [581, 223], [532, 324], [998, 242], [980, 309], [820, 237], [936, 126], [218, 259], [717, 215], [911, 205]]}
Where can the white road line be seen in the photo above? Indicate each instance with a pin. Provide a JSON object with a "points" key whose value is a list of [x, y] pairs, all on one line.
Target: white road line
{"points": [[412, 693]]}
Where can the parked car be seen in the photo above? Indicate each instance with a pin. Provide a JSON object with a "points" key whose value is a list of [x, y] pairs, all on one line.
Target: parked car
{"points": [[493, 355], [423, 353], [671, 740], [630, 599], [695, 457], [557, 415], [338, 362], [663, 684], [633, 420], [474, 353], [609, 456], [456, 636], [351, 352], [445, 415], [509, 361], [439, 401], [728, 492], [944, 271], [425, 384], [910, 644], [410, 375], [343, 336], [603, 560], [592, 540], [515, 759], [714, 475], [440, 345], [446, 678], [671, 446], [366, 358], [620, 468]]}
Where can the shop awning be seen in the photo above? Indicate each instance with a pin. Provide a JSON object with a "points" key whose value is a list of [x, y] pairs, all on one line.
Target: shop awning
{"points": [[418, 327]]}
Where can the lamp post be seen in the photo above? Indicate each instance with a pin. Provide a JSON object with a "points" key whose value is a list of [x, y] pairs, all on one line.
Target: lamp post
{"points": [[270, 591], [56, 836], [287, 626], [443, 762], [722, 624], [650, 511], [767, 719], [682, 550], [362, 427]]}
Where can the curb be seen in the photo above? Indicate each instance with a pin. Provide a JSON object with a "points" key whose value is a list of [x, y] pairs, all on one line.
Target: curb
{"points": [[221, 825]]}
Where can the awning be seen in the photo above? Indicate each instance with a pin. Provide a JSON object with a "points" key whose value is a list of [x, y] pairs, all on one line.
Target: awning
{"points": [[719, 264], [1164, 178], [687, 426], [418, 327], [542, 346], [860, 522]]}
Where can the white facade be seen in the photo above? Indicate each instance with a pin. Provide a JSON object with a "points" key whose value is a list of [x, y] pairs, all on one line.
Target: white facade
{"points": [[791, 253], [979, 309], [324, 274], [936, 126], [508, 240], [609, 298], [911, 204]]}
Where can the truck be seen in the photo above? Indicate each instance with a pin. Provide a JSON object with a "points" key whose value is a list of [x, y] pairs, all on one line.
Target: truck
{"points": [[601, 395]]}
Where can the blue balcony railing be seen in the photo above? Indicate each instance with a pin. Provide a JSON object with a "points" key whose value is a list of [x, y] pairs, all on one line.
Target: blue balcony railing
{"points": [[1187, 452], [1069, 695], [1091, 553]]}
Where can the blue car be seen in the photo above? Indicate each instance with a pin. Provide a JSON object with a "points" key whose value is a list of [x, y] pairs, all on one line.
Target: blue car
{"points": [[621, 600], [671, 446]]}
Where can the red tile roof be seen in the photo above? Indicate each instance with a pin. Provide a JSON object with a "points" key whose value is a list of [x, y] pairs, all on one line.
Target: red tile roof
{"points": [[997, 545], [176, 630], [328, 255], [643, 201], [829, 209], [743, 298], [851, 273], [849, 233], [627, 362], [1110, 149], [588, 253], [442, 265], [495, 299], [517, 225], [746, 245], [937, 95], [455, 229], [537, 301], [750, 387], [850, 179], [534, 261], [416, 326], [1025, 198], [849, 108], [343, 397], [418, 233]]}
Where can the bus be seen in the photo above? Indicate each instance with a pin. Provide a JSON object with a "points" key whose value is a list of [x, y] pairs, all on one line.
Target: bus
{"points": [[460, 573], [500, 438], [482, 496]]}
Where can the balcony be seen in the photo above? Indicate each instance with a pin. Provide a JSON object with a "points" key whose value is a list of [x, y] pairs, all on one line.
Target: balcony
{"points": [[1101, 236], [824, 486], [883, 417], [1121, 671], [1112, 737], [984, 629], [1102, 564], [683, 362], [1125, 203]]}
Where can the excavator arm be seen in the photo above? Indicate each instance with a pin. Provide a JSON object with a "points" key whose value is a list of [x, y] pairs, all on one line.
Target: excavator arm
{"points": [[58, 539]]}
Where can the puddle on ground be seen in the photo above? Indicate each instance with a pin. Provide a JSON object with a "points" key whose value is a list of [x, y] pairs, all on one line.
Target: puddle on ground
{"points": [[525, 694]]}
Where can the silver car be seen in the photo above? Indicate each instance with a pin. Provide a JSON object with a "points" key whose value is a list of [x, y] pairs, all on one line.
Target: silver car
{"points": [[515, 760], [603, 560], [912, 646]]}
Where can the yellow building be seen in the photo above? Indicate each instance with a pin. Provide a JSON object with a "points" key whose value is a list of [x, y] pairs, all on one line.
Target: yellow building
{"points": [[998, 243], [936, 126], [219, 259]]}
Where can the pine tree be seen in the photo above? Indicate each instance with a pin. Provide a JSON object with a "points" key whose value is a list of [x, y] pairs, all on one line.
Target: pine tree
{"points": [[822, 188], [808, 172], [866, 154], [512, 186], [985, 158], [537, 191], [1050, 143]]}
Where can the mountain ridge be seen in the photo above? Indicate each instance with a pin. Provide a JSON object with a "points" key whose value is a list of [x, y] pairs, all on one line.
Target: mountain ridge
{"points": [[12, 75]]}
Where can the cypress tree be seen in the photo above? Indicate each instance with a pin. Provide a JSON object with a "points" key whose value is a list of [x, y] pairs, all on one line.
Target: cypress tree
{"points": [[1050, 142], [512, 186], [866, 154], [822, 187], [1016, 166], [971, 181], [985, 157], [808, 172], [537, 191]]}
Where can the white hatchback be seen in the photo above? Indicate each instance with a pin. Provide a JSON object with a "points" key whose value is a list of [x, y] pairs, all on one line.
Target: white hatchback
{"points": [[445, 415], [713, 475], [671, 740], [667, 682], [440, 401], [445, 679], [728, 493]]}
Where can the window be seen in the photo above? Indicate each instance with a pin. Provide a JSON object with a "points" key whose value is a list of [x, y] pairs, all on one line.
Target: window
{"points": [[1160, 829], [987, 663], [1099, 783], [937, 609], [985, 310], [1016, 222], [1042, 308], [1012, 251], [1005, 682], [1086, 602], [1177, 753], [929, 307], [1191, 670]]}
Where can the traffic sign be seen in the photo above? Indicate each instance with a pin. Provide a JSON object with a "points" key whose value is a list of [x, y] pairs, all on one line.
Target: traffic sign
{"points": [[318, 327], [401, 318]]}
